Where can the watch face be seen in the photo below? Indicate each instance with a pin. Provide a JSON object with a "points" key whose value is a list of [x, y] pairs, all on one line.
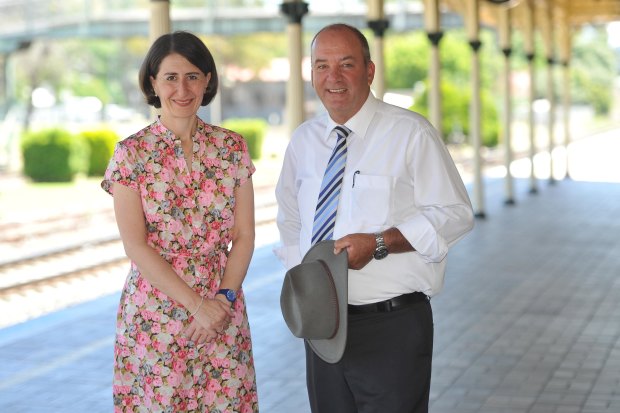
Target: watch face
{"points": [[229, 294], [380, 253]]}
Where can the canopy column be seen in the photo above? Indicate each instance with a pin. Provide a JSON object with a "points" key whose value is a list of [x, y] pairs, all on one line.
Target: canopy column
{"points": [[434, 34], [295, 114], [378, 24], [472, 22], [565, 44], [548, 43], [504, 21], [530, 54], [159, 23]]}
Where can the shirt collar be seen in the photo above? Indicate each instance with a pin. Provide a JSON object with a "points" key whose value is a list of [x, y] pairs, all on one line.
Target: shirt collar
{"points": [[359, 123]]}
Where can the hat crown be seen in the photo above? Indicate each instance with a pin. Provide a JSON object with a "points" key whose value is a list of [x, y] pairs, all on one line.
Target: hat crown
{"points": [[310, 301], [314, 300]]}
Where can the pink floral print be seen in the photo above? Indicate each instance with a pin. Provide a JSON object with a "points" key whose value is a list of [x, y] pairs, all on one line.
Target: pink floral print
{"points": [[188, 217]]}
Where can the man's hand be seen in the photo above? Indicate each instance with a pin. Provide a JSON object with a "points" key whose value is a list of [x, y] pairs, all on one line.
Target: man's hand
{"points": [[360, 248]]}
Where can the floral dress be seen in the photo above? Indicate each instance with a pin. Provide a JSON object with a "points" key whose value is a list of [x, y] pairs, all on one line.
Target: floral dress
{"points": [[189, 217]]}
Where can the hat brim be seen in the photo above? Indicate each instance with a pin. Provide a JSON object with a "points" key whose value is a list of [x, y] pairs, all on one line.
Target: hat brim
{"points": [[332, 349]]}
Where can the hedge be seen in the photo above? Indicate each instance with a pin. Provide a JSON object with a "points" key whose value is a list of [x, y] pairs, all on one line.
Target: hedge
{"points": [[252, 129], [54, 155], [101, 143]]}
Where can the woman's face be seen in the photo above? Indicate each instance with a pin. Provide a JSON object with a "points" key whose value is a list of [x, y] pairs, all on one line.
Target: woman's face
{"points": [[180, 86]]}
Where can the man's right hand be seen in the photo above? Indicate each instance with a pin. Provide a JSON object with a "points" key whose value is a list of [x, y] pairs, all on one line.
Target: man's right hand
{"points": [[360, 248]]}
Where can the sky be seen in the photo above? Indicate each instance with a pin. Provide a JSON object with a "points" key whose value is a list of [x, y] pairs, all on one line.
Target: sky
{"points": [[613, 34]]}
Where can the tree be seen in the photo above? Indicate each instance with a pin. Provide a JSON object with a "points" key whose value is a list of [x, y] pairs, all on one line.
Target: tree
{"points": [[407, 60], [593, 70]]}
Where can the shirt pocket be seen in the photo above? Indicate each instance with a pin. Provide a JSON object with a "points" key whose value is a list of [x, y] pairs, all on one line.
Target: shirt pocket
{"points": [[371, 200]]}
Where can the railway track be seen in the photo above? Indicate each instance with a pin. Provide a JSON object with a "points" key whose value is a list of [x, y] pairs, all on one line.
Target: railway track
{"points": [[61, 261]]}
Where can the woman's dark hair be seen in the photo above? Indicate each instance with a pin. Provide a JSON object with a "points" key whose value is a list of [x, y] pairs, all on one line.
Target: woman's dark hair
{"points": [[190, 47]]}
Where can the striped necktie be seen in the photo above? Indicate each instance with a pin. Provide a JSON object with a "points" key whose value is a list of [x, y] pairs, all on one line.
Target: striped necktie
{"points": [[327, 204]]}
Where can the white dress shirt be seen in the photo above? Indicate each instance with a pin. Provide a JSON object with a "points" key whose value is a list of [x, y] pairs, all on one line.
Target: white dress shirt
{"points": [[398, 174]]}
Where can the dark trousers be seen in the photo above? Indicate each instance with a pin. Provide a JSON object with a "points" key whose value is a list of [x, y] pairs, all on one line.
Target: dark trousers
{"points": [[386, 367]]}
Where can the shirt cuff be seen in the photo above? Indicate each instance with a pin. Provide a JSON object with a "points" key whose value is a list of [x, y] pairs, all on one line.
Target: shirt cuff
{"points": [[424, 238], [289, 256]]}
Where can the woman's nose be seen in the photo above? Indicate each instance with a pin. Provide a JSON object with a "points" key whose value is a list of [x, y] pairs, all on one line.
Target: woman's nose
{"points": [[183, 85]]}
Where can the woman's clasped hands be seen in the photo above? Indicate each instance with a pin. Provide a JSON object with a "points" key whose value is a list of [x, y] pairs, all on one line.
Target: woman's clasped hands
{"points": [[212, 318]]}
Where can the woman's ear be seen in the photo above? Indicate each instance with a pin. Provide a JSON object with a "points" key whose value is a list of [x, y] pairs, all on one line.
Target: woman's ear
{"points": [[152, 79]]}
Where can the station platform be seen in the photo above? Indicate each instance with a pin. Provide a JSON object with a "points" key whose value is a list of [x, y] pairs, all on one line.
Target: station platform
{"points": [[528, 321]]}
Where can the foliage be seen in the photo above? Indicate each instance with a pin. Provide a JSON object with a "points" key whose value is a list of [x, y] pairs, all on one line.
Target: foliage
{"points": [[455, 106], [53, 155], [254, 51], [252, 130], [104, 68], [408, 60], [101, 146], [593, 71], [592, 68]]}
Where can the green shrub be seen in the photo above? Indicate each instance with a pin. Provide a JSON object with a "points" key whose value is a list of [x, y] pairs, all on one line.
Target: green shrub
{"points": [[53, 155], [253, 131], [101, 143], [455, 112]]}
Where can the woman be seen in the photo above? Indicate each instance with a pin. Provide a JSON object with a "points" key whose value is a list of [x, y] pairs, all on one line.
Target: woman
{"points": [[182, 194]]}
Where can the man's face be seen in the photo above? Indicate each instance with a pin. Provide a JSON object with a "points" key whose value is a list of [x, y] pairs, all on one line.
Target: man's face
{"points": [[340, 76]]}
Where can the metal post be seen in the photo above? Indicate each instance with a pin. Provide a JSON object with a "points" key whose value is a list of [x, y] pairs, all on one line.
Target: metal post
{"points": [[566, 106], [551, 117], [159, 22], [379, 26], [547, 34], [434, 34], [504, 31], [294, 10], [473, 29], [528, 33]]}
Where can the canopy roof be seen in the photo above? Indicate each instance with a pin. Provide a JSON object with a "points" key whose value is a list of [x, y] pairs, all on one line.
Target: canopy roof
{"points": [[574, 13]]}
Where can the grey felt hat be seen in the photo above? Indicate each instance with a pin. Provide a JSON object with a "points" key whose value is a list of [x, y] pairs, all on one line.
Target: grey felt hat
{"points": [[314, 300]]}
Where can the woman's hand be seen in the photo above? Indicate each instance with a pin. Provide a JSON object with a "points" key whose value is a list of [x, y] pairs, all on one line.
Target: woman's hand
{"points": [[211, 319]]}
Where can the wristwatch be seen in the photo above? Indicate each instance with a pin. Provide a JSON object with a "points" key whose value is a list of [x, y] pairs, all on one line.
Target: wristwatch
{"points": [[381, 251], [228, 293]]}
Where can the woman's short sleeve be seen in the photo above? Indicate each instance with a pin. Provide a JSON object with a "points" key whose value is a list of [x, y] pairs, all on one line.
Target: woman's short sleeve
{"points": [[122, 168], [246, 168]]}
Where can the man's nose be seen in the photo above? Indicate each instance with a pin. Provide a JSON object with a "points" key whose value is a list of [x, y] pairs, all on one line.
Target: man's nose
{"points": [[335, 72]]}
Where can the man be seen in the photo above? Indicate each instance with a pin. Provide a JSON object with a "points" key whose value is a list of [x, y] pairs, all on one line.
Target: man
{"points": [[401, 205]]}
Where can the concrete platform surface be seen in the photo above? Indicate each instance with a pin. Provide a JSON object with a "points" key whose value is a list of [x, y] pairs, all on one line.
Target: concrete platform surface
{"points": [[528, 322]]}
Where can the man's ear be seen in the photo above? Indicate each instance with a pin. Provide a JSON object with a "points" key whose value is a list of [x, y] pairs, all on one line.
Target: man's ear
{"points": [[371, 72]]}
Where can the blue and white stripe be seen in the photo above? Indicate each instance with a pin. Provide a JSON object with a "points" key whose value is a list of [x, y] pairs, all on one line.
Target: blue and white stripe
{"points": [[327, 205]]}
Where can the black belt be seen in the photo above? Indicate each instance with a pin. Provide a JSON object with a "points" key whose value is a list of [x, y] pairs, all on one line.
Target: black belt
{"points": [[388, 305]]}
